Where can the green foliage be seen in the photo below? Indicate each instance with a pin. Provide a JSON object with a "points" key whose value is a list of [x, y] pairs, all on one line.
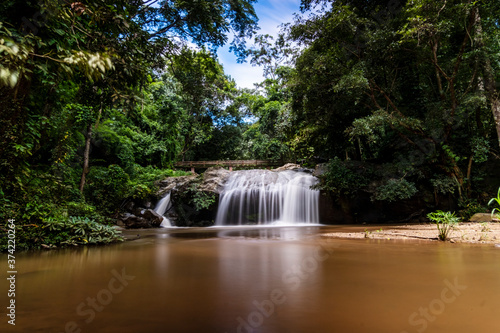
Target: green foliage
{"points": [[405, 91], [107, 187], [110, 187], [202, 200], [80, 208], [38, 195], [342, 180], [194, 206], [142, 181], [395, 189], [396, 84], [61, 232], [261, 145], [445, 222], [450, 154], [481, 149], [372, 127], [57, 84], [469, 207], [497, 202], [444, 184], [115, 147], [208, 100]]}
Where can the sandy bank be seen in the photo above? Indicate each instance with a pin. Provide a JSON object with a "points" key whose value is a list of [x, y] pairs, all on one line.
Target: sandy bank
{"points": [[465, 232]]}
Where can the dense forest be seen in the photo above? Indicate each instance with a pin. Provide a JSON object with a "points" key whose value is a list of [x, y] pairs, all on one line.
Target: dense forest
{"points": [[100, 98]]}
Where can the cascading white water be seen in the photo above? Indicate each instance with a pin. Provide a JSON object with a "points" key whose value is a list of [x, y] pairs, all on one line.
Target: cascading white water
{"points": [[161, 207], [264, 197]]}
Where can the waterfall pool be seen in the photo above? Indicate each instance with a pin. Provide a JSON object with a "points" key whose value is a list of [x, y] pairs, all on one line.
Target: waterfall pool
{"points": [[285, 279]]}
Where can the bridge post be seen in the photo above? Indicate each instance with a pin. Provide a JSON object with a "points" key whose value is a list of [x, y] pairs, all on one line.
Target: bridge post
{"points": [[230, 168], [192, 170]]}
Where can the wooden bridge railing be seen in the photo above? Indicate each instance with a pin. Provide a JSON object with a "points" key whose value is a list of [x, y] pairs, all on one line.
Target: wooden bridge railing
{"points": [[232, 164]]}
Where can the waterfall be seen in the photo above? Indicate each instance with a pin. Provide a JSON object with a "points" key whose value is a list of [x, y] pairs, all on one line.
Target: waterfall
{"points": [[264, 197], [161, 207]]}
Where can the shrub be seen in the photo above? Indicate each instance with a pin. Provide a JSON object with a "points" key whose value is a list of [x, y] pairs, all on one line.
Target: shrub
{"points": [[469, 208], [201, 200], [341, 180], [142, 184], [395, 189], [444, 184], [61, 232], [445, 222], [107, 187], [80, 209]]}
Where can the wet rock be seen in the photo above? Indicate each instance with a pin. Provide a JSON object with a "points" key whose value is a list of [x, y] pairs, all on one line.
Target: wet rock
{"points": [[188, 213], [134, 222], [130, 206], [288, 166], [320, 169], [214, 180], [154, 218], [145, 218], [187, 190], [174, 183]]}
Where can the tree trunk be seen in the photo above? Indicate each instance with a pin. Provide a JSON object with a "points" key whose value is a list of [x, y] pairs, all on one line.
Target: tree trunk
{"points": [[495, 103], [86, 155], [488, 79]]}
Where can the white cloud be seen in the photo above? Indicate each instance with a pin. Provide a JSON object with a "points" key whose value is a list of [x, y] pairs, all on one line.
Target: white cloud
{"points": [[271, 14], [245, 75]]}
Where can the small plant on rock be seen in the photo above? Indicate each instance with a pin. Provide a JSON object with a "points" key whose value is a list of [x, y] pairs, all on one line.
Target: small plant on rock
{"points": [[445, 222], [367, 233]]}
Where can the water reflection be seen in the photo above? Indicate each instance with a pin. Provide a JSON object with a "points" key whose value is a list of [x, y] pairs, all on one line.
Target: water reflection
{"points": [[265, 281], [270, 233], [261, 279]]}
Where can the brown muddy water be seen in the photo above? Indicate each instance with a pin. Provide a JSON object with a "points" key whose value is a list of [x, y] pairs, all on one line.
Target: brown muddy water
{"points": [[282, 279]]}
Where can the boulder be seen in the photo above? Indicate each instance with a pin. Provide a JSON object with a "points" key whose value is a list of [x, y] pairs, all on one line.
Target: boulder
{"points": [[288, 166], [134, 222], [483, 217], [173, 183], [214, 180], [145, 218], [153, 217], [320, 169]]}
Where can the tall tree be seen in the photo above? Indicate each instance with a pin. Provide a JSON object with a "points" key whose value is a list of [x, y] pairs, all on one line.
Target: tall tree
{"points": [[96, 54], [398, 80], [207, 94]]}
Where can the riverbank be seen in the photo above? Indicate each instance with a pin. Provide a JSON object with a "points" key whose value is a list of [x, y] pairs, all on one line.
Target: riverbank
{"points": [[466, 232]]}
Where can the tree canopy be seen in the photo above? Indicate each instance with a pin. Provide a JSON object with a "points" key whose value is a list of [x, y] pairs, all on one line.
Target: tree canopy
{"points": [[97, 90], [100, 98]]}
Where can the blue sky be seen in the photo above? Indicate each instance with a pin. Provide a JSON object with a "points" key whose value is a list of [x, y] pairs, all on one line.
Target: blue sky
{"points": [[271, 14]]}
